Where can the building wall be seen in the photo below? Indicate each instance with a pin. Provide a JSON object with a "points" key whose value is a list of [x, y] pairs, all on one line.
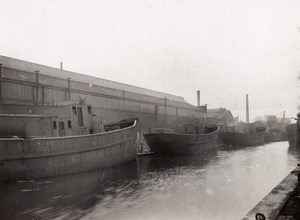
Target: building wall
{"points": [[222, 117], [38, 92]]}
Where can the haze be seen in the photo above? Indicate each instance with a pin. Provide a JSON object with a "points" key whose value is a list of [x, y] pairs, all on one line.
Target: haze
{"points": [[226, 49]]}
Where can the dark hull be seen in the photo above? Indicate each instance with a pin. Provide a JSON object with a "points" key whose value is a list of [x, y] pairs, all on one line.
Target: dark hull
{"points": [[242, 139], [291, 134], [45, 157], [274, 137], [181, 144]]}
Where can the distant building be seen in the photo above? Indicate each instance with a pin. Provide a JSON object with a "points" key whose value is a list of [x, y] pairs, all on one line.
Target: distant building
{"points": [[273, 123], [236, 119], [284, 121], [271, 118], [221, 117]]}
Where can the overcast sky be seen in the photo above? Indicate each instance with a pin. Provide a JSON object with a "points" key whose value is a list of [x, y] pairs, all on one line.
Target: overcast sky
{"points": [[225, 48]]}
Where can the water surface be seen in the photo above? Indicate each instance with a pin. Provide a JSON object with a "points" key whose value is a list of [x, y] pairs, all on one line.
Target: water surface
{"points": [[223, 185]]}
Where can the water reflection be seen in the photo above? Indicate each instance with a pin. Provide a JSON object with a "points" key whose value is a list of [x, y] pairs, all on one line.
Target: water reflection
{"points": [[222, 185], [71, 196]]}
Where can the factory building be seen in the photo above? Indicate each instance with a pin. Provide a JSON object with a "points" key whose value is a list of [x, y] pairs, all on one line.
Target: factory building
{"points": [[221, 117], [30, 88]]}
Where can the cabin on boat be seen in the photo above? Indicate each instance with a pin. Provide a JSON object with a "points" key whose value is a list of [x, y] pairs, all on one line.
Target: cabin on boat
{"points": [[14, 125], [65, 120]]}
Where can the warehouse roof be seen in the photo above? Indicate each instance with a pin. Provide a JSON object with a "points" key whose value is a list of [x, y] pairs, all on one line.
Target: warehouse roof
{"points": [[25, 66], [216, 110]]}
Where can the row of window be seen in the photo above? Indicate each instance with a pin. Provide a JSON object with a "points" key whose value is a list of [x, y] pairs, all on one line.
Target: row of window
{"points": [[74, 110], [61, 125]]}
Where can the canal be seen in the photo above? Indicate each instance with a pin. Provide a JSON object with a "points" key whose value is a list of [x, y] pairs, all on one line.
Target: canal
{"points": [[222, 185]]}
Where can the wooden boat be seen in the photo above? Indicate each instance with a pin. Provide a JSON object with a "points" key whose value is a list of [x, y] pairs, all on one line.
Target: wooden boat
{"points": [[64, 144], [166, 141], [242, 139]]}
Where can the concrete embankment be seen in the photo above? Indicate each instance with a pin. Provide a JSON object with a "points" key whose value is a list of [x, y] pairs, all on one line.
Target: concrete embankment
{"points": [[282, 202]]}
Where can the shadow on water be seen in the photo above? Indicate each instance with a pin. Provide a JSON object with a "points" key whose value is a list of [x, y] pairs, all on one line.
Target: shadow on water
{"points": [[163, 162], [73, 196], [224, 184], [53, 197], [236, 147]]}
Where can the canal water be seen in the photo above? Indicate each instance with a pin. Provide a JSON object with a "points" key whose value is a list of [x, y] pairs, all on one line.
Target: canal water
{"points": [[223, 185]]}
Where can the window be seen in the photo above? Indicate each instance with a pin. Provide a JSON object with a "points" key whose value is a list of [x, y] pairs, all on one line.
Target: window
{"points": [[156, 109], [61, 126], [69, 124], [89, 108], [54, 125], [74, 110], [80, 117]]}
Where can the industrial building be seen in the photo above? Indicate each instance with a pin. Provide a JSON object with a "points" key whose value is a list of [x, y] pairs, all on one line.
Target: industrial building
{"points": [[221, 117], [30, 88]]}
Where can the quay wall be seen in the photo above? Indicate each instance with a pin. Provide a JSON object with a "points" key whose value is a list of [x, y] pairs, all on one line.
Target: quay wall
{"points": [[274, 202], [24, 91]]}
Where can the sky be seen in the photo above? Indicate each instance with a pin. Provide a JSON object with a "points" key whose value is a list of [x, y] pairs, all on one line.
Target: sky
{"points": [[225, 49]]}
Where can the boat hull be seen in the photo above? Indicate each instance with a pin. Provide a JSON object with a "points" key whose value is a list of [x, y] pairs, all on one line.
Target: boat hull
{"points": [[291, 134], [45, 157], [274, 137], [242, 139], [180, 144]]}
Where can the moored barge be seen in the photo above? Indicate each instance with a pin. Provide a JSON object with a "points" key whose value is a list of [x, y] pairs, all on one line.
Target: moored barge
{"points": [[244, 134], [69, 141], [242, 139], [166, 141]]}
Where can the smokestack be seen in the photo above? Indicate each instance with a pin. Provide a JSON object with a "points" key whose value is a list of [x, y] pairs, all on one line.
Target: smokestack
{"points": [[247, 109], [198, 98], [61, 65]]}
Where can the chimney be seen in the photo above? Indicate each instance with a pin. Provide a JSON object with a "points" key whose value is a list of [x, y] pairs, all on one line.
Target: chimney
{"points": [[61, 65], [247, 109], [198, 98]]}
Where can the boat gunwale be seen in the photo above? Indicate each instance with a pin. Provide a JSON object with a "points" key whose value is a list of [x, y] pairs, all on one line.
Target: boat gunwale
{"points": [[238, 134], [189, 135], [70, 137]]}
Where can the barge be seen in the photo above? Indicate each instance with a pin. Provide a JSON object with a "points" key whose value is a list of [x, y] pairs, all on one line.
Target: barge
{"points": [[65, 140], [245, 134], [166, 141]]}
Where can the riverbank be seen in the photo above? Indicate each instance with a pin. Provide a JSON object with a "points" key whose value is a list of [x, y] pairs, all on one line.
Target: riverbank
{"points": [[283, 202]]}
